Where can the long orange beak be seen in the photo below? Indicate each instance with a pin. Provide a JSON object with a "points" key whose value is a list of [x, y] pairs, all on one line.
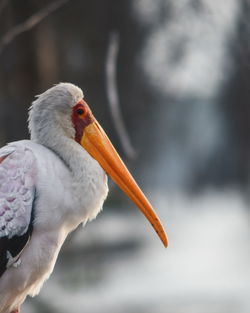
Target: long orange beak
{"points": [[98, 145]]}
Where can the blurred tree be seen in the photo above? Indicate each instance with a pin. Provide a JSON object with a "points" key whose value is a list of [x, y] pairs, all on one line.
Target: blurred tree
{"points": [[236, 98]]}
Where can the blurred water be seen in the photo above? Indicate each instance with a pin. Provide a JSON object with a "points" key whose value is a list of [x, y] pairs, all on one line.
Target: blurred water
{"points": [[120, 265]]}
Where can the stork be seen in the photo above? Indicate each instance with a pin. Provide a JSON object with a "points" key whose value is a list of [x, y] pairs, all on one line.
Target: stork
{"points": [[51, 184]]}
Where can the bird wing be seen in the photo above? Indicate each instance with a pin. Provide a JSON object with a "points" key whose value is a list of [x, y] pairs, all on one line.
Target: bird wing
{"points": [[17, 195]]}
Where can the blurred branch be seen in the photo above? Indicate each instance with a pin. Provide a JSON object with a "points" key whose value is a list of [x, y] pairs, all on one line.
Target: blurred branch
{"points": [[113, 98], [32, 21]]}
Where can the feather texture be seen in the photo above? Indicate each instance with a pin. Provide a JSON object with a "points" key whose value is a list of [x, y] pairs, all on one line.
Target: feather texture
{"points": [[17, 192]]}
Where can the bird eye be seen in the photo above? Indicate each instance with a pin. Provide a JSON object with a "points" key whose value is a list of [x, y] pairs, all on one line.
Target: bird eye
{"points": [[80, 111]]}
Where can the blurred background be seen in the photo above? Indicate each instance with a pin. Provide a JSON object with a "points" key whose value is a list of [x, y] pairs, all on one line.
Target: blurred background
{"points": [[169, 82]]}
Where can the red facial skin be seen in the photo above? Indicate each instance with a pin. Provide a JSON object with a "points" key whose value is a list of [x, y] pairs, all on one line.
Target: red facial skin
{"points": [[81, 117]]}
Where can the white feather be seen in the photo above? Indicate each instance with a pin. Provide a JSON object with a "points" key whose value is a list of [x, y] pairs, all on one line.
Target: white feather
{"points": [[17, 190]]}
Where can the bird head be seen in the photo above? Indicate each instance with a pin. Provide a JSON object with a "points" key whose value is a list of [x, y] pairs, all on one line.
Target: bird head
{"points": [[64, 105]]}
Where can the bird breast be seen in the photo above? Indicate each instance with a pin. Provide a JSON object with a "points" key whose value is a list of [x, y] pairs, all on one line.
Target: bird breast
{"points": [[66, 197]]}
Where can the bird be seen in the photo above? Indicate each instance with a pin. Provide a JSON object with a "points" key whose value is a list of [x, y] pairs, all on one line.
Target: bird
{"points": [[51, 184]]}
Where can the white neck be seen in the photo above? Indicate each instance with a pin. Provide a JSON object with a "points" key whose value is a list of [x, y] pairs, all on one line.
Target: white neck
{"points": [[89, 181], [75, 157]]}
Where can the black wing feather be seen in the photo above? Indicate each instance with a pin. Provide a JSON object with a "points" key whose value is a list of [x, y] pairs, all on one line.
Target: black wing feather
{"points": [[14, 246]]}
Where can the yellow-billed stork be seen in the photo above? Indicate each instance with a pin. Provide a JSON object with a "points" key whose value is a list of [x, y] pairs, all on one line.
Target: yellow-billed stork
{"points": [[52, 183]]}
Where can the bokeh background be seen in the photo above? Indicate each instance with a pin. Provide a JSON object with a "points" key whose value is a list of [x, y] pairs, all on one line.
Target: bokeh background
{"points": [[169, 80]]}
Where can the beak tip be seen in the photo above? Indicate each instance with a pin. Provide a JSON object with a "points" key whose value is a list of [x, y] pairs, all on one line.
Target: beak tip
{"points": [[165, 241]]}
